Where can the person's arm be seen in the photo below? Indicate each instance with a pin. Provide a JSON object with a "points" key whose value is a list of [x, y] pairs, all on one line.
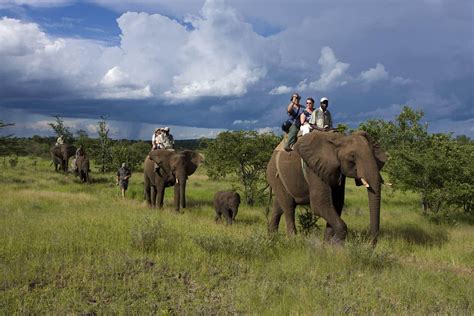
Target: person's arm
{"points": [[312, 119], [302, 118], [329, 123], [290, 108]]}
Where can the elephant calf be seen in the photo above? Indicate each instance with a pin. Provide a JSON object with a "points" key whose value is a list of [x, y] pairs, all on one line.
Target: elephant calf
{"points": [[226, 203]]}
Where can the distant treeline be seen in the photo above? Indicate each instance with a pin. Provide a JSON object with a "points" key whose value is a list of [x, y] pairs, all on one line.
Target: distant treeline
{"points": [[40, 145], [120, 150]]}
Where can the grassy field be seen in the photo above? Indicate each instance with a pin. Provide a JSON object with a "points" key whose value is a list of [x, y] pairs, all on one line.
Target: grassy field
{"points": [[67, 247]]}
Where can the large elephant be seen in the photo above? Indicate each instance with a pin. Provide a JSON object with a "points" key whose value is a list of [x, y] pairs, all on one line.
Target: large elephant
{"points": [[315, 174], [174, 168], [60, 155], [83, 168]]}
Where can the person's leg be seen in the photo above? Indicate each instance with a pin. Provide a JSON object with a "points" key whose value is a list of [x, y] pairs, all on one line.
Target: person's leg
{"points": [[291, 137]]}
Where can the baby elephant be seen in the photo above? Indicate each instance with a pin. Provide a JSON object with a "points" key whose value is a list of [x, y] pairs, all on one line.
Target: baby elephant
{"points": [[226, 203]]}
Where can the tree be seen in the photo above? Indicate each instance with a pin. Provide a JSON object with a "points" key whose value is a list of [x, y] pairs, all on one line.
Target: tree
{"points": [[7, 143], [243, 153], [104, 155], [436, 166], [60, 129]]}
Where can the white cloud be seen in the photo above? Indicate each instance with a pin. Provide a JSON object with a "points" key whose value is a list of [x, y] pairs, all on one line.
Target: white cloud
{"points": [[244, 122], [280, 90], [223, 56], [118, 85], [333, 72], [374, 74], [265, 130]]}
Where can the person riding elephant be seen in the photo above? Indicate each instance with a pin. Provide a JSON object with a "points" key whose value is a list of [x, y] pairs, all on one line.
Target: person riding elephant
{"points": [[315, 174], [61, 154], [174, 168], [83, 168]]}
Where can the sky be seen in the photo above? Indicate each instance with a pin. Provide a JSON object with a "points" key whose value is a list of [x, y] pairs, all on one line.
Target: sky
{"points": [[204, 66]]}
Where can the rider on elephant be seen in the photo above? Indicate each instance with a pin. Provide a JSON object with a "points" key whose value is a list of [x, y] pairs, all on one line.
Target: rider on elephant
{"points": [[166, 140], [294, 112], [306, 115], [154, 139], [59, 141], [321, 118]]}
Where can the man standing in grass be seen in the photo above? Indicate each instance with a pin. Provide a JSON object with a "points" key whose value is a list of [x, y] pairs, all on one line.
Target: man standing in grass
{"points": [[123, 174]]}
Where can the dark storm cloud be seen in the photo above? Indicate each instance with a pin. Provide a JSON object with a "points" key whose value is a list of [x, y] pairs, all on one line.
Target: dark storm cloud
{"points": [[402, 52]]}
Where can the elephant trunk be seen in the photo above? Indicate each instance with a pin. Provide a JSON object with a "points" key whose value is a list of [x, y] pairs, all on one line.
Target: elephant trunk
{"points": [[369, 176], [182, 196], [180, 193], [374, 207]]}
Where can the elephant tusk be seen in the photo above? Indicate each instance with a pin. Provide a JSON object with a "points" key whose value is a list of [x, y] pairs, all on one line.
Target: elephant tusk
{"points": [[388, 184], [177, 180], [365, 183]]}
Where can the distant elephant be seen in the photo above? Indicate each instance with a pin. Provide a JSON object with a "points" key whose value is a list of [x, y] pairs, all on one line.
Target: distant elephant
{"points": [[226, 203], [174, 168], [57, 161], [60, 155], [315, 174], [83, 168]]}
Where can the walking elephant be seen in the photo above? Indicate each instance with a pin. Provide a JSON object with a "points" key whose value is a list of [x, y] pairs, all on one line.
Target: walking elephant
{"points": [[174, 168], [60, 155], [226, 203], [83, 168], [315, 174]]}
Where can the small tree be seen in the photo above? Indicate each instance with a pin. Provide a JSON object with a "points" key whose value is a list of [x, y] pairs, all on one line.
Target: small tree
{"points": [[60, 129], [7, 143], [243, 153], [436, 166], [104, 156]]}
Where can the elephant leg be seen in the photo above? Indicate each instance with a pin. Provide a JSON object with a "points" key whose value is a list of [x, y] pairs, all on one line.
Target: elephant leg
{"points": [[321, 198], [338, 202], [228, 216], [159, 195], [147, 186], [284, 205], [276, 216]]}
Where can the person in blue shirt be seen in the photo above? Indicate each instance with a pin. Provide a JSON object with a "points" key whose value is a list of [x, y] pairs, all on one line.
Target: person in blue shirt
{"points": [[294, 112]]}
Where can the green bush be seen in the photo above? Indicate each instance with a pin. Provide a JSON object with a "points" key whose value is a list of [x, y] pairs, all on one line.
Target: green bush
{"points": [[145, 235]]}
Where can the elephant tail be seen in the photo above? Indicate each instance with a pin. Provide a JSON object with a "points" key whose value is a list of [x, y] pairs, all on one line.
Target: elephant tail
{"points": [[267, 209]]}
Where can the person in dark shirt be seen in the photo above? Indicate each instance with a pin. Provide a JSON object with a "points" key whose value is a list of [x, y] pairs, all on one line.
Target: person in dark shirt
{"points": [[123, 174], [294, 112]]}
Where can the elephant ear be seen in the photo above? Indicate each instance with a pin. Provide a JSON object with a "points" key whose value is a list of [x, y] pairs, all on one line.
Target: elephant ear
{"points": [[379, 155], [193, 160], [158, 155], [318, 151]]}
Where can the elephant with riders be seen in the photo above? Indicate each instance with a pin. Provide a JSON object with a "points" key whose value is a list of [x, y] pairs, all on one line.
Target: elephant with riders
{"points": [[315, 173]]}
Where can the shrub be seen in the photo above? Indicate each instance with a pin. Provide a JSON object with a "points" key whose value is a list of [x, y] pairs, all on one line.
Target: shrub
{"points": [[145, 235], [308, 222], [13, 161]]}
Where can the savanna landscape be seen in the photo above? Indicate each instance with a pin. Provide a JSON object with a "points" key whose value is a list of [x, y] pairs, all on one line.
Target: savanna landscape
{"points": [[236, 157], [68, 247]]}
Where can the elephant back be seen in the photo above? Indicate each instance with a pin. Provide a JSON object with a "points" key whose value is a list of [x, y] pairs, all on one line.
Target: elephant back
{"points": [[289, 171]]}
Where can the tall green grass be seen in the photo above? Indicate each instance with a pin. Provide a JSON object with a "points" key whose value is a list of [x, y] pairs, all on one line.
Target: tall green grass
{"points": [[67, 247]]}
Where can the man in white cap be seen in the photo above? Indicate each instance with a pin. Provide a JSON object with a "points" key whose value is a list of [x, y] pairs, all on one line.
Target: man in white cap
{"points": [[321, 118], [166, 140]]}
